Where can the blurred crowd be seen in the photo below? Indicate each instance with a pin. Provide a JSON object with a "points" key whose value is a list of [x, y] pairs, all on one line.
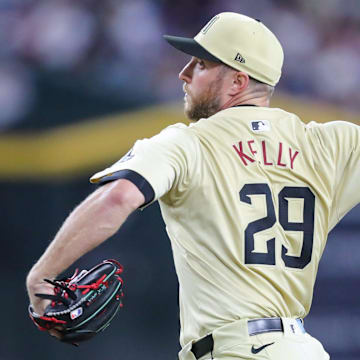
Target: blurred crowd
{"points": [[115, 47]]}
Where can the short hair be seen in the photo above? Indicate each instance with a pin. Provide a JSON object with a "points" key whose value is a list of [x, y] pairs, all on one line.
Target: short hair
{"points": [[264, 87]]}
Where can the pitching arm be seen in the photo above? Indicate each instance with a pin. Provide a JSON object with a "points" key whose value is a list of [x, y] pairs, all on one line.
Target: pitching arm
{"points": [[97, 218]]}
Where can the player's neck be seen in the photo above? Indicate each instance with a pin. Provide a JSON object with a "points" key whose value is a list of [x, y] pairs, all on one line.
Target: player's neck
{"points": [[248, 98]]}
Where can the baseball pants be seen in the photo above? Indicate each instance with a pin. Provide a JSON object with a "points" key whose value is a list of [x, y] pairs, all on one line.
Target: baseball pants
{"points": [[233, 342]]}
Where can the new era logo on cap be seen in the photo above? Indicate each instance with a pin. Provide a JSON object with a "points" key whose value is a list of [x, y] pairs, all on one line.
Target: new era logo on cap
{"points": [[239, 58]]}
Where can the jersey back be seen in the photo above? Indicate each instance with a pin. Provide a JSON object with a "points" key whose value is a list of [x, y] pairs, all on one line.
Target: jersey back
{"points": [[248, 197]]}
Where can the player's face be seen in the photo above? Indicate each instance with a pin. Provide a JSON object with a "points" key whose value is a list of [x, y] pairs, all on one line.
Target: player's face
{"points": [[203, 84]]}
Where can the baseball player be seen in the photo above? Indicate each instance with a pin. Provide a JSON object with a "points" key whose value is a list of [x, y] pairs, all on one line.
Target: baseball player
{"points": [[248, 193]]}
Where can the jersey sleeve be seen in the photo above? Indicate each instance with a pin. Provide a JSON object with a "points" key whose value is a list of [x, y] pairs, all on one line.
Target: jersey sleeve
{"points": [[343, 142], [157, 165]]}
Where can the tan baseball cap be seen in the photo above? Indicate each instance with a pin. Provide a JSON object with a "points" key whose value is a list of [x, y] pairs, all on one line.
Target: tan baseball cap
{"points": [[238, 41]]}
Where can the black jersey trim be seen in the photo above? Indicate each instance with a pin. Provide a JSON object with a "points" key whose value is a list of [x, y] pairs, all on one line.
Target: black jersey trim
{"points": [[139, 181], [244, 105]]}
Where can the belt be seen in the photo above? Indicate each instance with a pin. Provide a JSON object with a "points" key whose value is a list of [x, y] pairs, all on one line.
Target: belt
{"points": [[255, 327]]}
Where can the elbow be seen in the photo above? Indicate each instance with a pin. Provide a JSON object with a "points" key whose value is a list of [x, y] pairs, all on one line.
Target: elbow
{"points": [[32, 280], [122, 194]]}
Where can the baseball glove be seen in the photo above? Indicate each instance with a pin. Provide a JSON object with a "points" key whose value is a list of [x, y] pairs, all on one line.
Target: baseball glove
{"points": [[83, 305]]}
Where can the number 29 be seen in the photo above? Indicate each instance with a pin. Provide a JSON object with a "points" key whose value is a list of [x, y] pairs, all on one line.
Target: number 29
{"points": [[306, 226]]}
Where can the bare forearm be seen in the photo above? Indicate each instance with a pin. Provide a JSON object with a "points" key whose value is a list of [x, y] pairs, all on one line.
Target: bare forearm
{"points": [[90, 224]]}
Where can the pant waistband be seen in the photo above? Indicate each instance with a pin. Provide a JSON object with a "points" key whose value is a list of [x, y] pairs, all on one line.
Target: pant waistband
{"points": [[255, 327]]}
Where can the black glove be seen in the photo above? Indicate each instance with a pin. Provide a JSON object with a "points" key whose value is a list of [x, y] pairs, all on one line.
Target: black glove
{"points": [[83, 305]]}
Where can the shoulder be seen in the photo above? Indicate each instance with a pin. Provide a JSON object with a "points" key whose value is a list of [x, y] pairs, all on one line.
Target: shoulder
{"points": [[336, 128], [175, 130], [177, 135], [336, 125], [336, 135], [171, 135], [174, 141], [178, 129]]}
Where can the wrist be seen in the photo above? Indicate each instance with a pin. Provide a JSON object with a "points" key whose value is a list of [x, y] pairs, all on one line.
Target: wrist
{"points": [[36, 278]]}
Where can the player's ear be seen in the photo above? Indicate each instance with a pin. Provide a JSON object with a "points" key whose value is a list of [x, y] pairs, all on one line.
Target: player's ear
{"points": [[239, 82]]}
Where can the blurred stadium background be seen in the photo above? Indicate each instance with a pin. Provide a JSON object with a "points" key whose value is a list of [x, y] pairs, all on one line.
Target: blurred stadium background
{"points": [[80, 81]]}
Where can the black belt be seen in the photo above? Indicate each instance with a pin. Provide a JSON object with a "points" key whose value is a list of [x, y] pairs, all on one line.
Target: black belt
{"points": [[255, 327]]}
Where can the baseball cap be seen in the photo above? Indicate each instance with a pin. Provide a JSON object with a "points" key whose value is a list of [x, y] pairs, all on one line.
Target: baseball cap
{"points": [[238, 41]]}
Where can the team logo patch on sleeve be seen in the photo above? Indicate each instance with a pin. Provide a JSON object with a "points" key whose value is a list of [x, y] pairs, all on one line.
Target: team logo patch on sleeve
{"points": [[129, 155], [260, 125]]}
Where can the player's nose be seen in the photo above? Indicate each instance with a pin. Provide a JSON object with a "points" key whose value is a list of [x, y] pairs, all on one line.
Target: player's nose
{"points": [[186, 73]]}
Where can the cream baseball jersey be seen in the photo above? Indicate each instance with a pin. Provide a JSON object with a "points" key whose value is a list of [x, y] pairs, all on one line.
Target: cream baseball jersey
{"points": [[248, 197]]}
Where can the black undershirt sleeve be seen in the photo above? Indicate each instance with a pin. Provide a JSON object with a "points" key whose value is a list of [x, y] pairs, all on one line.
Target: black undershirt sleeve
{"points": [[140, 182]]}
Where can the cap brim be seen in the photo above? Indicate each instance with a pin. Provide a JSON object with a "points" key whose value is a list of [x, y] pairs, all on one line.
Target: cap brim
{"points": [[191, 47]]}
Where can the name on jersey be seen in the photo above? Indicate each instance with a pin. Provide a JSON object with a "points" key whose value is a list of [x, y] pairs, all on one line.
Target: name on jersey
{"points": [[284, 157]]}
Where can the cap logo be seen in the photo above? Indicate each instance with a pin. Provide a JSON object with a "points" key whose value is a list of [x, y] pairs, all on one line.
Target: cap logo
{"points": [[209, 24], [239, 58]]}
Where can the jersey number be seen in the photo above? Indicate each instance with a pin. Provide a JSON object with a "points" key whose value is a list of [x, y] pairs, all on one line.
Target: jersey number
{"points": [[307, 226]]}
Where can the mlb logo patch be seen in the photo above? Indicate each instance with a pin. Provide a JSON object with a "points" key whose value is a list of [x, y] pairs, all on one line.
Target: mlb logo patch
{"points": [[260, 125], [76, 313]]}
